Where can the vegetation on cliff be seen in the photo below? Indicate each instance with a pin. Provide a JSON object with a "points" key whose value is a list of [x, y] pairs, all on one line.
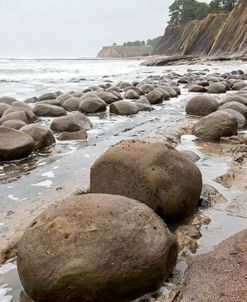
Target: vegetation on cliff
{"points": [[130, 49], [183, 11], [218, 34]]}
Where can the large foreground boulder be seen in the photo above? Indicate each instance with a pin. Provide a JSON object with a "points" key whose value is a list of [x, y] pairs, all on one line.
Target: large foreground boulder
{"points": [[14, 144], [201, 106], [153, 173], [71, 123], [216, 125], [42, 136], [95, 248]]}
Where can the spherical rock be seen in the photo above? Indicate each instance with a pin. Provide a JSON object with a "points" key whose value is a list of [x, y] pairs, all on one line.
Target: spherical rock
{"points": [[46, 110], [42, 136], [7, 100], [92, 105], [239, 116], [197, 88], [77, 135], [47, 96], [109, 97], [201, 106], [95, 248], [131, 95], [235, 106], [233, 98], [14, 144], [155, 96], [153, 173], [3, 108], [217, 88], [71, 123], [216, 125], [15, 124], [124, 108], [72, 104]]}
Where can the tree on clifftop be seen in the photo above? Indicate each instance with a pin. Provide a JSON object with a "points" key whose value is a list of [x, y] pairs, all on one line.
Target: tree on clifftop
{"points": [[222, 5], [182, 11]]}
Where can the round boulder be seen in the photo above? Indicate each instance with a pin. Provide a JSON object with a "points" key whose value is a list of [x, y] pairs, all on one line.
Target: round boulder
{"points": [[68, 136], [217, 88], [235, 106], [153, 173], [131, 95], [42, 136], [14, 144], [72, 104], [46, 110], [92, 105], [124, 108], [216, 125], [95, 247], [201, 106], [239, 116], [71, 123], [197, 88], [7, 100], [15, 124], [3, 108], [109, 97]]}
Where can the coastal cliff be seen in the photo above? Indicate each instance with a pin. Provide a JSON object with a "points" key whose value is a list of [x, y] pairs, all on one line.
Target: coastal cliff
{"points": [[219, 34], [125, 51]]}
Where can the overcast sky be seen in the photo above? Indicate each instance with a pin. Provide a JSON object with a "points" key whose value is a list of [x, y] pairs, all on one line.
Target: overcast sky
{"points": [[76, 28]]}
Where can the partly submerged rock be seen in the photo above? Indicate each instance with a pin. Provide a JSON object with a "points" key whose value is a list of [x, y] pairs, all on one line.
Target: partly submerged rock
{"points": [[216, 125], [153, 173], [14, 144]]}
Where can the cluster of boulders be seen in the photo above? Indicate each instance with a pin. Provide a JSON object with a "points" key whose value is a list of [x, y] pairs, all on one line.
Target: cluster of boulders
{"points": [[109, 245], [221, 117], [68, 113]]}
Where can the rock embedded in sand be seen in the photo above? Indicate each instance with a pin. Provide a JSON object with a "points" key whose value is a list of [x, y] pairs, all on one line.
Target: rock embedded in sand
{"points": [[14, 124], [72, 104], [131, 94], [42, 136], [47, 96], [124, 108], [92, 105], [109, 97], [197, 88], [7, 100], [77, 135], [201, 105], [46, 110], [153, 173], [3, 108], [14, 144], [235, 106], [155, 96], [216, 125], [95, 247], [239, 116], [71, 123], [217, 88]]}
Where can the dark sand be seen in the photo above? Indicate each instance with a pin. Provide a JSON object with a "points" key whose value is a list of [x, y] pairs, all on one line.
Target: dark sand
{"points": [[221, 275]]}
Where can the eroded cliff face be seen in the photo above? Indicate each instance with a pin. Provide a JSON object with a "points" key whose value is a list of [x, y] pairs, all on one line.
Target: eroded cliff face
{"points": [[218, 34]]}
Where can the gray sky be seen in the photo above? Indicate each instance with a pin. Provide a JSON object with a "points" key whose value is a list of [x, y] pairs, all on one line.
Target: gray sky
{"points": [[76, 28]]}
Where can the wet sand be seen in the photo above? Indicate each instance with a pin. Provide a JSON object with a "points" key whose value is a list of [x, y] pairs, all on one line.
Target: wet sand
{"points": [[219, 276]]}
